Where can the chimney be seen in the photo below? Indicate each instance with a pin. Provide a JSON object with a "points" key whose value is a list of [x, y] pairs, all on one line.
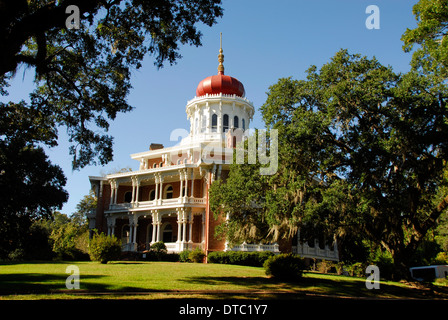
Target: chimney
{"points": [[155, 146]]}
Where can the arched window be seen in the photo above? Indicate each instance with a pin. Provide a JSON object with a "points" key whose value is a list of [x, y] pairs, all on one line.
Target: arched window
{"points": [[160, 164], [214, 122], [169, 192], [225, 123], [128, 197], [179, 161], [167, 233], [185, 160], [152, 194], [243, 124], [235, 122], [154, 165]]}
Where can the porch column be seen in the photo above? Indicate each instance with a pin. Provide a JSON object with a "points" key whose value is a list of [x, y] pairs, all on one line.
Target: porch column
{"points": [[184, 227], [111, 225], [190, 222], [134, 240], [192, 183], [156, 197], [161, 188], [131, 232], [137, 189], [133, 224], [159, 223], [113, 191], [179, 229], [116, 191], [154, 224], [133, 189], [186, 182], [203, 228], [181, 183]]}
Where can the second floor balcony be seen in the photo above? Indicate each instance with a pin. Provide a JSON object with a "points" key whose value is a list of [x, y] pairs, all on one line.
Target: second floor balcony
{"points": [[158, 204]]}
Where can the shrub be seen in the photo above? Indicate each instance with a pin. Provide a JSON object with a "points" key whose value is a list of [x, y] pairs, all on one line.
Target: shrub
{"points": [[326, 266], [384, 261], [252, 259], [357, 269], [159, 252], [69, 242], [441, 258], [153, 255], [285, 266], [339, 268], [197, 255], [104, 248], [159, 247], [17, 255], [184, 256]]}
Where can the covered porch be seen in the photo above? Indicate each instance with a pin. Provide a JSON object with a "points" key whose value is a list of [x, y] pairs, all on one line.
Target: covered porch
{"points": [[179, 228]]}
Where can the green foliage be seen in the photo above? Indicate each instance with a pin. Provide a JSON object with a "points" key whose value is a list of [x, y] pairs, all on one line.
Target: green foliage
{"points": [[357, 269], [253, 259], [441, 231], [152, 255], [384, 261], [326, 266], [196, 255], [430, 35], [65, 240], [441, 258], [184, 256], [159, 252], [363, 151], [242, 195], [82, 78], [159, 247], [83, 75], [284, 267], [83, 208], [32, 188], [104, 248]]}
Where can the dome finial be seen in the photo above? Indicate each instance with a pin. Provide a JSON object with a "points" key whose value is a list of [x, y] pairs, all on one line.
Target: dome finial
{"points": [[220, 57]]}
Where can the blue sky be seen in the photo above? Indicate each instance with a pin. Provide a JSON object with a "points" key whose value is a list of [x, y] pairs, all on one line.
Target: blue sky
{"points": [[262, 42]]}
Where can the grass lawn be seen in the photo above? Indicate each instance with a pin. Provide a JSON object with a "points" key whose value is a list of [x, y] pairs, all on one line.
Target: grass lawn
{"points": [[154, 280]]}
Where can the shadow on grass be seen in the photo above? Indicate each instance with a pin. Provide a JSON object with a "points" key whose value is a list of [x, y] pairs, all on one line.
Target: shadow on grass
{"points": [[33, 283], [316, 286]]}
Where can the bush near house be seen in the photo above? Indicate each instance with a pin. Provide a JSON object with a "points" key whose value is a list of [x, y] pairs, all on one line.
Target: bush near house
{"points": [[159, 252], [285, 266], [252, 259], [197, 255], [184, 256], [104, 248]]}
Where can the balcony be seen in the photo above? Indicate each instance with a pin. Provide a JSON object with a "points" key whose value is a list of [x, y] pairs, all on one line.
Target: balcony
{"points": [[315, 252], [255, 247], [158, 204]]}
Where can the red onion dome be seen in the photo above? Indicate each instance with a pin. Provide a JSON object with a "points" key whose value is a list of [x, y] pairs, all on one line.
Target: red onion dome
{"points": [[220, 83]]}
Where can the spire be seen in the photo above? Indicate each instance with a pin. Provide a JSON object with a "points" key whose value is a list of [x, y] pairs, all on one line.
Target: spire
{"points": [[220, 57]]}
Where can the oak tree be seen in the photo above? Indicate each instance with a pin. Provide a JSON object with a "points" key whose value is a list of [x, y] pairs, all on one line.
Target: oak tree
{"points": [[362, 150]]}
